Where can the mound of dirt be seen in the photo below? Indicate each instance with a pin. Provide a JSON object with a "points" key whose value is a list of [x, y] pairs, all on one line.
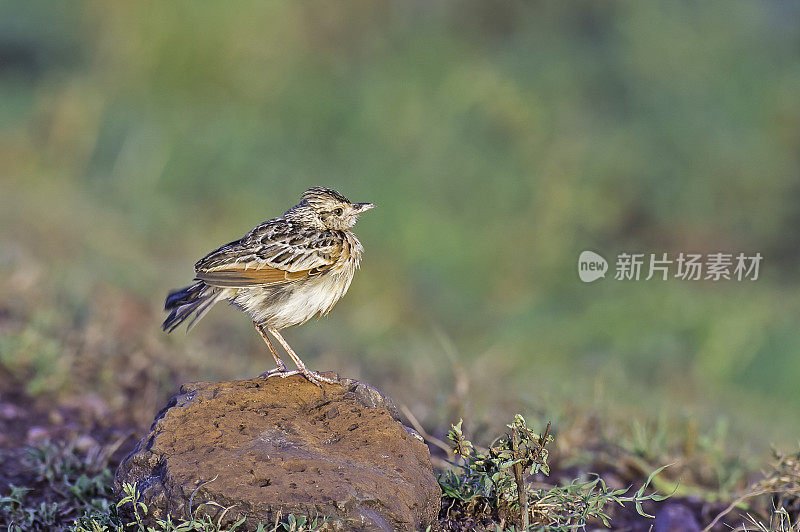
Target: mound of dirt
{"points": [[268, 446]]}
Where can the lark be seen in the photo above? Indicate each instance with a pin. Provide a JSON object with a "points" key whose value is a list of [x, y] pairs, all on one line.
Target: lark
{"points": [[282, 273]]}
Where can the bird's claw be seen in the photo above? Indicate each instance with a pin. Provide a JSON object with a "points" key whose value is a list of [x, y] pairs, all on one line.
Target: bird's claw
{"points": [[317, 378], [312, 376], [278, 372]]}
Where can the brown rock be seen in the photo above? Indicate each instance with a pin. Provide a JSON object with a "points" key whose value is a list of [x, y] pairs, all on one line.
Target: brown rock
{"points": [[265, 446]]}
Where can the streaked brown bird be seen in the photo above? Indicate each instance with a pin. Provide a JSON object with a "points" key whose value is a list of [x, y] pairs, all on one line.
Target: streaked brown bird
{"points": [[282, 273]]}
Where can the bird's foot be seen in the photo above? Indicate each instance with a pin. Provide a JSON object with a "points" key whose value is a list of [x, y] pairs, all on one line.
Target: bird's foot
{"points": [[312, 376], [316, 378], [278, 372]]}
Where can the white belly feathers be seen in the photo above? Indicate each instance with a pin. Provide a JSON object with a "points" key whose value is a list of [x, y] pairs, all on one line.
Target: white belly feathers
{"points": [[294, 303]]}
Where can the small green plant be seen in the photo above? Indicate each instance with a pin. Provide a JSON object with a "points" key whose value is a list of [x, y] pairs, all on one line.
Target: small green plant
{"points": [[135, 519], [80, 476], [73, 491], [489, 482], [63, 483], [302, 523], [19, 513], [490, 487]]}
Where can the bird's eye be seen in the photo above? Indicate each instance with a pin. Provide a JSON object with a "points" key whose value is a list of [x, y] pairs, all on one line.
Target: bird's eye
{"points": [[338, 211]]}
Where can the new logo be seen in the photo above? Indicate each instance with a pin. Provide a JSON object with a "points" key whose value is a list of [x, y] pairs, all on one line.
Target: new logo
{"points": [[591, 266]]}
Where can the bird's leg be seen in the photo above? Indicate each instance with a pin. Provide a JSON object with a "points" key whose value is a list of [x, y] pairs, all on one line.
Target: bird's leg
{"points": [[281, 369], [307, 373]]}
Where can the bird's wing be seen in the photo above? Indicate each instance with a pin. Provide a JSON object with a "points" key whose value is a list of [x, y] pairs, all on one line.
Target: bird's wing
{"points": [[275, 252]]}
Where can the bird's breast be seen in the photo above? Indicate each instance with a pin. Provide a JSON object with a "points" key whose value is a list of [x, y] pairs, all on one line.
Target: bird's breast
{"points": [[296, 302]]}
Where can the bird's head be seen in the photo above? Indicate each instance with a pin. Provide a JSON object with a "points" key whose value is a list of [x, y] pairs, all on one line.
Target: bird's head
{"points": [[325, 208]]}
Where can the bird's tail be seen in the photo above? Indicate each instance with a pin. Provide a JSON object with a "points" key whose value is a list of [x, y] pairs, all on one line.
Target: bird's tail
{"points": [[193, 301]]}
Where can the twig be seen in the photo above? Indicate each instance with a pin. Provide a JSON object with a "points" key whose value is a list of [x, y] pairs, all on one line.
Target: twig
{"points": [[733, 505], [522, 493], [543, 439], [198, 488], [442, 464], [422, 432]]}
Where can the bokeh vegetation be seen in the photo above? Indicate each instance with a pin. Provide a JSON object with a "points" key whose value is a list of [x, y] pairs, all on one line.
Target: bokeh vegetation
{"points": [[499, 140]]}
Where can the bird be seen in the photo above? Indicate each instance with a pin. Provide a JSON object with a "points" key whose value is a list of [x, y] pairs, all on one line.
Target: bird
{"points": [[281, 273]]}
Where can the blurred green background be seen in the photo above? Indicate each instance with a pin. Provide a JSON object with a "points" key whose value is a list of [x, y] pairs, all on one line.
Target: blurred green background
{"points": [[499, 140]]}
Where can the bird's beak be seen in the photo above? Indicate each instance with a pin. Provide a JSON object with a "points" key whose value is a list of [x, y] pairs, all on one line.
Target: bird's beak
{"points": [[363, 207]]}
